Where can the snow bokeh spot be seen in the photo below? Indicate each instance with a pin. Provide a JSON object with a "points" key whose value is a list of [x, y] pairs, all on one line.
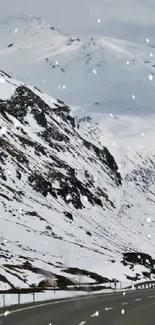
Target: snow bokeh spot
{"points": [[99, 20], [68, 197], [127, 62], [3, 130], [150, 76], [122, 311], [94, 71], [147, 40], [2, 80], [133, 97], [148, 219]]}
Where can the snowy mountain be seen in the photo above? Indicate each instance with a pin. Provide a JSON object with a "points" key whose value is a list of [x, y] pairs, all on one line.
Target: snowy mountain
{"points": [[97, 74], [63, 200]]}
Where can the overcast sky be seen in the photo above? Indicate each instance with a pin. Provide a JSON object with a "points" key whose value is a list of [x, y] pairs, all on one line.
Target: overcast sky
{"points": [[128, 19]]}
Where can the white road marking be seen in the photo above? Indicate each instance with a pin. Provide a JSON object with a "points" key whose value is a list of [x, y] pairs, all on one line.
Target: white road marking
{"points": [[96, 314], [82, 323], [151, 296], [109, 308], [138, 299], [124, 303]]}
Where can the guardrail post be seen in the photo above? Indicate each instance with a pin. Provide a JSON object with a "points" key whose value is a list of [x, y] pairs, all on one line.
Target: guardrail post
{"points": [[33, 296], [3, 299], [18, 297]]}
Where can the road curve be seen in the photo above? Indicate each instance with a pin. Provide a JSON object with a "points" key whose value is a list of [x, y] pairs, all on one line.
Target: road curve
{"points": [[136, 308]]}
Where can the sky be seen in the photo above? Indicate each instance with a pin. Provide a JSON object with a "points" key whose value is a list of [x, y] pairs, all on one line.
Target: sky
{"points": [[133, 20]]}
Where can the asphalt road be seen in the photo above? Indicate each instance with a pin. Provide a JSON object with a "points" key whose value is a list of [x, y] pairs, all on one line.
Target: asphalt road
{"points": [[131, 308]]}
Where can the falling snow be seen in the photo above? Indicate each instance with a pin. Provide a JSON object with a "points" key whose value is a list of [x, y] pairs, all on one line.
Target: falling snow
{"points": [[150, 77], [3, 130], [2, 80]]}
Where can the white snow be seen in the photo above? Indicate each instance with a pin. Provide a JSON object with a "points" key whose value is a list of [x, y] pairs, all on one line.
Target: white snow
{"points": [[120, 98]]}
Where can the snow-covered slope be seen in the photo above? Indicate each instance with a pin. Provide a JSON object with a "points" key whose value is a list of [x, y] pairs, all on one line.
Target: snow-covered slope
{"points": [[63, 201], [100, 74]]}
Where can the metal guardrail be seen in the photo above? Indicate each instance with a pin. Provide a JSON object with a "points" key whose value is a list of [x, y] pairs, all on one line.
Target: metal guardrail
{"points": [[145, 285], [90, 288]]}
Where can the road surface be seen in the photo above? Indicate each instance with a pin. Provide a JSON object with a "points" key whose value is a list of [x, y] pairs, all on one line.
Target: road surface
{"points": [[130, 308]]}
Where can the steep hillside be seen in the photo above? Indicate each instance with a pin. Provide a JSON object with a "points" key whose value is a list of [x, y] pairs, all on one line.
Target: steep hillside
{"points": [[60, 195]]}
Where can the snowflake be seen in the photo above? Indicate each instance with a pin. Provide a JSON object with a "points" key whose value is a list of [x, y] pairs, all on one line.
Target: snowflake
{"points": [[16, 30], [99, 20], [111, 115], [140, 146], [133, 96], [142, 134], [127, 62], [151, 54], [124, 293], [139, 256], [68, 197], [2, 80], [56, 62], [85, 198], [149, 236], [119, 165], [3, 130], [147, 40], [150, 77], [9, 173], [148, 220], [63, 87], [94, 71], [129, 147], [122, 311]]}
